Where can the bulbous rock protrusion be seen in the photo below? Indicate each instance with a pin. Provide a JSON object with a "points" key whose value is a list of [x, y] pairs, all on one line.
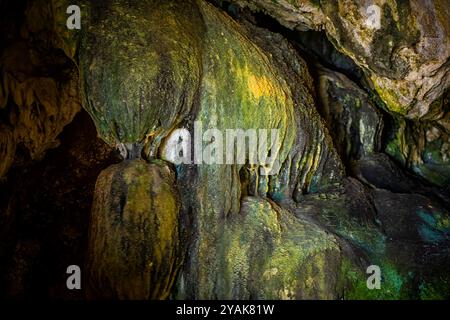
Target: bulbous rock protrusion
{"points": [[133, 238], [140, 67]]}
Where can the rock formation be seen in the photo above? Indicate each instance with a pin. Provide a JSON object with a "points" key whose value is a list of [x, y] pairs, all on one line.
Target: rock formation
{"points": [[362, 161]]}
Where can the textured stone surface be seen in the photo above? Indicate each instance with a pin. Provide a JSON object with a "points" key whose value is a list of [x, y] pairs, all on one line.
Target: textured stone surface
{"points": [[270, 88], [133, 239], [405, 62], [135, 101], [418, 233], [423, 147], [227, 231], [140, 67], [7, 148], [405, 252], [354, 122], [38, 88], [277, 256], [406, 58]]}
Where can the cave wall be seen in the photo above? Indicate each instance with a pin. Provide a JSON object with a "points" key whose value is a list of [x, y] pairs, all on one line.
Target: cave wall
{"points": [[336, 204]]}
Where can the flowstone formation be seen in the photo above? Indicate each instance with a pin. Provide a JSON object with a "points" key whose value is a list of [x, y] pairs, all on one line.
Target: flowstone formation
{"points": [[263, 98], [403, 48], [306, 226], [402, 45], [133, 237]]}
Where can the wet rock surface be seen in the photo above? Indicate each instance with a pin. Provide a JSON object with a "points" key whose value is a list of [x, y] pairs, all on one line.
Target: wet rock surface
{"points": [[134, 241], [349, 114], [344, 196], [405, 56]]}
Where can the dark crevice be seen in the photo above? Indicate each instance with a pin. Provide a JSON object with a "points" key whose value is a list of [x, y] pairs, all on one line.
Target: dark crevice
{"points": [[313, 46], [316, 49], [51, 202]]}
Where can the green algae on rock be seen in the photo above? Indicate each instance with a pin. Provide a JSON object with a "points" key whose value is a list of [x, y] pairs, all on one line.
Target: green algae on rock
{"points": [[230, 231], [134, 234], [139, 65], [277, 256], [354, 123], [423, 147], [405, 58], [270, 89]]}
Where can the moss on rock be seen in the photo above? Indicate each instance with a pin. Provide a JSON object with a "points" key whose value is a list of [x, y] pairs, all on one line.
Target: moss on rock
{"points": [[140, 68], [276, 256], [134, 247]]}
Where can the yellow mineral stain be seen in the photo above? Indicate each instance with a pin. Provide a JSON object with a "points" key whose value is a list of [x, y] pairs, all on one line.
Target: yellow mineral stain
{"points": [[259, 86]]}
